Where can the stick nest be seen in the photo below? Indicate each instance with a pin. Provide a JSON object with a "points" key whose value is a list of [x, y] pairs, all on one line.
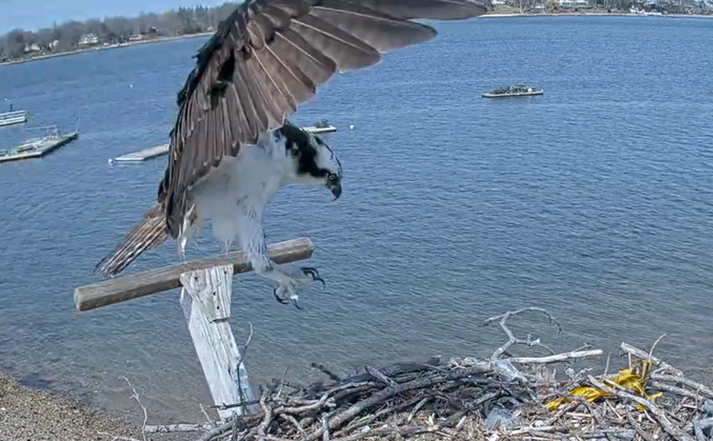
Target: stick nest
{"points": [[472, 399]]}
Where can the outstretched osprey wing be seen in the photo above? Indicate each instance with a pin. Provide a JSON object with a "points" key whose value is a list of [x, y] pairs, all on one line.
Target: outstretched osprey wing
{"points": [[267, 58]]}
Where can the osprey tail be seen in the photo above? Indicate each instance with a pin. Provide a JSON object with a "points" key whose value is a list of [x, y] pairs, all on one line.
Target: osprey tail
{"points": [[147, 234]]}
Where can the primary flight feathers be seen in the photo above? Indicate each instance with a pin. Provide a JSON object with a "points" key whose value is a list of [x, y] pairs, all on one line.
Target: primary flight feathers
{"points": [[265, 59]]}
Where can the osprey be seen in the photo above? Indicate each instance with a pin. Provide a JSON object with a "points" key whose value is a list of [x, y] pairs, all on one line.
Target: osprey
{"points": [[232, 148]]}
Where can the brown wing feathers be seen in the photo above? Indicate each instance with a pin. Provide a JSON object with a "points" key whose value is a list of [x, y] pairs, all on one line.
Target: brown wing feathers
{"points": [[267, 58], [150, 232]]}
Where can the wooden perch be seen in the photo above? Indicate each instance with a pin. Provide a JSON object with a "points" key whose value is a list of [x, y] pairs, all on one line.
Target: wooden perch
{"points": [[163, 279]]}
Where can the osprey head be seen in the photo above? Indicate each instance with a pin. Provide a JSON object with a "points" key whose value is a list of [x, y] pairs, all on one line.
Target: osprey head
{"points": [[312, 161]]}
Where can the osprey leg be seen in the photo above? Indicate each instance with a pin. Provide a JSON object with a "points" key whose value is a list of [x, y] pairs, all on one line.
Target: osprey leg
{"points": [[286, 290], [253, 240], [304, 274]]}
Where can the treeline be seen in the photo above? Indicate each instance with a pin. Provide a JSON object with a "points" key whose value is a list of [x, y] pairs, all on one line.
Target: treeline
{"points": [[663, 6], [72, 35]]}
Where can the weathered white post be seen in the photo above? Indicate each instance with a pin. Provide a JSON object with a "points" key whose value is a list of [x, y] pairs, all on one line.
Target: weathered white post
{"points": [[205, 300]]}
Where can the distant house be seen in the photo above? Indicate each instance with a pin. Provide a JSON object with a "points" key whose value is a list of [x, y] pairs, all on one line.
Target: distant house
{"points": [[88, 40], [573, 3], [34, 47]]}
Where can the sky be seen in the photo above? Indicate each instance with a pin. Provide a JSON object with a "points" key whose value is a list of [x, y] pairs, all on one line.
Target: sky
{"points": [[36, 14]]}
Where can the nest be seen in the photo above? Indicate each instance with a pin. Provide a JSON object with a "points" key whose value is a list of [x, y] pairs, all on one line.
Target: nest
{"points": [[472, 399]]}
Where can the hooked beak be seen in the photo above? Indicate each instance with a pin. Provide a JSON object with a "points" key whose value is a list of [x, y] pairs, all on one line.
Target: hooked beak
{"points": [[336, 189]]}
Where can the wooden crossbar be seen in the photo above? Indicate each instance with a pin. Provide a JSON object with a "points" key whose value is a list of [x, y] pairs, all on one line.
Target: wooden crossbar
{"points": [[134, 286]]}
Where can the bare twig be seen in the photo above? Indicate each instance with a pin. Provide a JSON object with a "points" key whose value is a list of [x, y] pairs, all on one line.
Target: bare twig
{"points": [[512, 340], [282, 383], [143, 408], [653, 346], [207, 417], [636, 352]]}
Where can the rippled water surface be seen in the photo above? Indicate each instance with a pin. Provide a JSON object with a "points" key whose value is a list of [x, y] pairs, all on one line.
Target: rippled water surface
{"points": [[594, 201]]}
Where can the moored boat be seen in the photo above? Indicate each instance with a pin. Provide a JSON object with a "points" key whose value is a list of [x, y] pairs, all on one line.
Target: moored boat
{"points": [[515, 91]]}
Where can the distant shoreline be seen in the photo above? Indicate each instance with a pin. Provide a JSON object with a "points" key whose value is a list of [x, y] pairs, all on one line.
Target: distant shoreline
{"points": [[105, 48], [207, 34], [586, 14]]}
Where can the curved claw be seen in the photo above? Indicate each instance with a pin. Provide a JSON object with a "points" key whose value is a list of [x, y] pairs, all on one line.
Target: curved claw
{"points": [[294, 302], [279, 299], [314, 274]]}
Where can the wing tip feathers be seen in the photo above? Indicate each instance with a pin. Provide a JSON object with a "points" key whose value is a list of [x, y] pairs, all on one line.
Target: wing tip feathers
{"points": [[147, 234]]}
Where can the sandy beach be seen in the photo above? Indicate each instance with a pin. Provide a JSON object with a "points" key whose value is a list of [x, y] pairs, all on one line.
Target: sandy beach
{"points": [[36, 415], [27, 414]]}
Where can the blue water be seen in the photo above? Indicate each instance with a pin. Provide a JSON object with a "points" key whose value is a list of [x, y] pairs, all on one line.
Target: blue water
{"points": [[594, 201]]}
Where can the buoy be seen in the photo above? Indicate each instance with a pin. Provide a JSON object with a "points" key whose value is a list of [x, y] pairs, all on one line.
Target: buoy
{"points": [[351, 126]]}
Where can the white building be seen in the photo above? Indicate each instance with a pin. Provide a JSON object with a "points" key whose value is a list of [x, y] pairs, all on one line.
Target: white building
{"points": [[573, 3], [88, 40]]}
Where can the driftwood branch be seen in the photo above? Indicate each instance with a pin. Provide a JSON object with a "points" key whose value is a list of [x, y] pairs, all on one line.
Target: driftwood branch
{"points": [[573, 355], [181, 427], [512, 340], [636, 352]]}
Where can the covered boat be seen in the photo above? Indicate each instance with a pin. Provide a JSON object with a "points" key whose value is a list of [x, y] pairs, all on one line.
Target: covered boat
{"points": [[518, 90]]}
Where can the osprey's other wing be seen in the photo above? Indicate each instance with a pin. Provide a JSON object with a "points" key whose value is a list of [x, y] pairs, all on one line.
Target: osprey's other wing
{"points": [[267, 58]]}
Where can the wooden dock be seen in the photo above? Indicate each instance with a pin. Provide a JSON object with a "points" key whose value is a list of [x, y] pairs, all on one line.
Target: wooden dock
{"points": [[143, 155], [160, 150], [37, 147], [13, 117]]}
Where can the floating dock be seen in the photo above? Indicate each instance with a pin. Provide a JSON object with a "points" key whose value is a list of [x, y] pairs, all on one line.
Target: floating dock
{"points": [[160, 150], [13, 117], [37, 147], [142, 155]]}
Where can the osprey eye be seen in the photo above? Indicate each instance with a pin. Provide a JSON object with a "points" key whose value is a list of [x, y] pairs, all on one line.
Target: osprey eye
{"points": [[332, 177]]}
